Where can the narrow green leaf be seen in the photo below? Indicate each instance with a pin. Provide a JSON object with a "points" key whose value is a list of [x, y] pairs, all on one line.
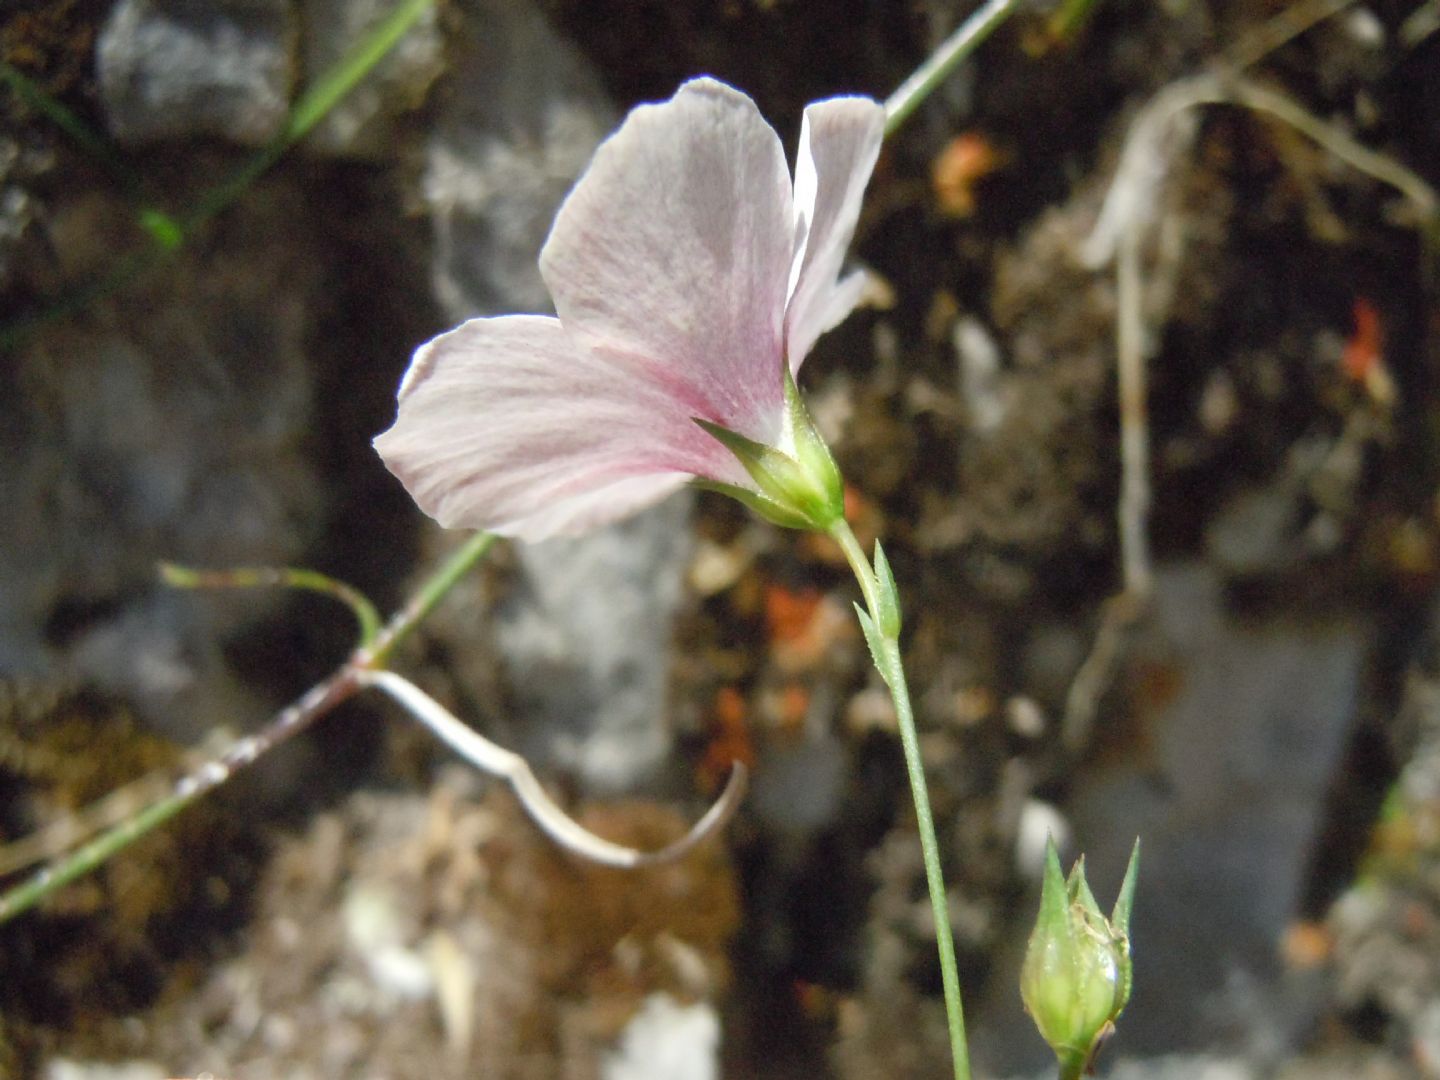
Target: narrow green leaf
{"points": [[887, 597], [877, 646], [168, 233], [313, 105], [335, 83], [93, 143]]}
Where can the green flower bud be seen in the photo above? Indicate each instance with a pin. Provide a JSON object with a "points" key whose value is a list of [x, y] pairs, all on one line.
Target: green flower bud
{"points": [[1076, 977]]}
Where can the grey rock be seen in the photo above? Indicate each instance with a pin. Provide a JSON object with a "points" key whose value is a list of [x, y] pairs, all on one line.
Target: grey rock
{"points": [[586, 642], [166, 424], [1255, 531], [16, 209], [524, 113], [799, 787], [585, 636], [177, 68], [363, 124], [24, 161]]}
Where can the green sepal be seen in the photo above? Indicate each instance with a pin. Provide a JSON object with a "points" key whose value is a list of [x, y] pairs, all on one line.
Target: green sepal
{"points": [[877, 645], [1120, 924], [1120, 914], [782, 481], [767, 508], [1054, 891], [797, 483], [1080, 894], [810, 449], [887, 598]]}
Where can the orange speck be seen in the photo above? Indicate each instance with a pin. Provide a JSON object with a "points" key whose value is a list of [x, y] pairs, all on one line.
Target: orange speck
{"points": [[789, 612], [815, 1001], [794, 704], [729, 708], [1306, 945], [1364, 352], [967, 159]]}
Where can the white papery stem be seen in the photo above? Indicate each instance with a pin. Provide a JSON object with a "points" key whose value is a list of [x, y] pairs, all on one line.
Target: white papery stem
{"points": [[515, 770]]}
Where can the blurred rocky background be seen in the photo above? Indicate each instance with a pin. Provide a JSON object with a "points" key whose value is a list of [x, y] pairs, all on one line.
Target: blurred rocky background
{"points": [[1252, 689]]}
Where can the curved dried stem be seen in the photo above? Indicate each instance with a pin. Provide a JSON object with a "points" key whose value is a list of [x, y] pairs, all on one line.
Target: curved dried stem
{"points": [[515, 771]]}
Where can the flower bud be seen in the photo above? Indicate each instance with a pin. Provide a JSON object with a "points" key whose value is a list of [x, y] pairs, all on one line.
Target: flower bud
{"points": [[1076, 977]]}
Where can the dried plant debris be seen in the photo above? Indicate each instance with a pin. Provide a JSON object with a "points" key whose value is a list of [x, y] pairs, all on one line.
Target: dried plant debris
{"points": [[121, 938], [51, 41], [444, 935], [1382, 936]]}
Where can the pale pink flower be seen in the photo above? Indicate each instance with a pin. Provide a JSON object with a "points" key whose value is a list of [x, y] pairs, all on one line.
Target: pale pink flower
{"points": [[686, 271]]}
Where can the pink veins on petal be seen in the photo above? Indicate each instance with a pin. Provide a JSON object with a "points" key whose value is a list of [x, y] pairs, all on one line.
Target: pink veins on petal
{"points": [[685, 269]]}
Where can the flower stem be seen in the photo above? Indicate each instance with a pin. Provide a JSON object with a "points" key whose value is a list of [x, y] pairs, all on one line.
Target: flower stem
{"points": [[889, 662], [430, 593], [979, 26], [343, 684]]}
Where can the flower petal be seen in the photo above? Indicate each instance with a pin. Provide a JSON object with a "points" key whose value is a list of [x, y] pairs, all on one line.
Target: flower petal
{"points": [[839, 142], [505, 425], [671, 255]]}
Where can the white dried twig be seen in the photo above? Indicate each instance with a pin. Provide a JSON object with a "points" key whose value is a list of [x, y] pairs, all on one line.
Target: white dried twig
{"points": [[1162, 134], [515, 770], [1164, 130]]}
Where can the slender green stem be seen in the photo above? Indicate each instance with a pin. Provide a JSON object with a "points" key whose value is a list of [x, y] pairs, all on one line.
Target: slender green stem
{"points": [[313, 106], [894, 672], [339, 80], [843, 535], [898, 107], [1072, 1067], [84, 859], [944, 60], [419, 606], [168, 233], [97, 146], [346, 681]]}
